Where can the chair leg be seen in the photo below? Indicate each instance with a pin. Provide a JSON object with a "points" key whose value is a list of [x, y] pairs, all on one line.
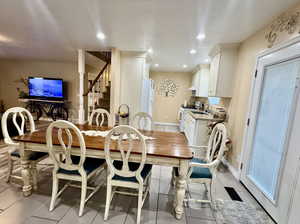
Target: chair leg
{"points": [[139, 208], [108, 200], [83, 195], [211, 195], [10, 167], [54, 192], [206, 188], [34, 175]]}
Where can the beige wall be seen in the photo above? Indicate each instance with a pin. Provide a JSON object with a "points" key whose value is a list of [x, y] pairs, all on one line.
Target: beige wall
{"points": [[238, 109], [165, 109], [12, 70]]}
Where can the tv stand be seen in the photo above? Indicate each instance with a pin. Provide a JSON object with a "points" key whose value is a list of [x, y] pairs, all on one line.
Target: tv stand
{"points": [[56, 109]]}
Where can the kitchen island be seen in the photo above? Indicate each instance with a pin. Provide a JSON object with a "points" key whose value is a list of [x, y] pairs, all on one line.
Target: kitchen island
{"points": [[196, 127]]}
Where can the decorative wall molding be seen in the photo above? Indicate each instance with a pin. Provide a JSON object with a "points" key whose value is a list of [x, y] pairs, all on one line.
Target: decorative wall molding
{"points": [[284, 23]]}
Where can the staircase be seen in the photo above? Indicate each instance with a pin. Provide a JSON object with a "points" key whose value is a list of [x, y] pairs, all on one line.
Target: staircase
{"points": [[99, 85], [104, 102]]}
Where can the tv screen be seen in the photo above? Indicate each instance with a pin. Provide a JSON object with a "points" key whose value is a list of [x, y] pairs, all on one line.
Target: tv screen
{"points": [[45, 88]]}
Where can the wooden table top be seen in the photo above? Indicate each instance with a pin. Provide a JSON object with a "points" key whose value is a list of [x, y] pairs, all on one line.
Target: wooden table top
{"points": [[164, 144]]}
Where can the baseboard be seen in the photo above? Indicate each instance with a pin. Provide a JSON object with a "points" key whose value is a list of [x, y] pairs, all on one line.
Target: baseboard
{"points": [[166, 124], [232, 170]]}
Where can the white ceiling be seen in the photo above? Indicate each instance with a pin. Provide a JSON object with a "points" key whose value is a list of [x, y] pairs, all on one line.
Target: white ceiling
{"points": [[54, 29]]}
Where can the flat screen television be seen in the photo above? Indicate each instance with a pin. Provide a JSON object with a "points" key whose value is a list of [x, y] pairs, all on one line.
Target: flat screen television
{"points": [[45, 88]]}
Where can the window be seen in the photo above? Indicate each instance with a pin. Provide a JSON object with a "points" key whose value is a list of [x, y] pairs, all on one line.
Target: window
{"points": [[214, 100]]}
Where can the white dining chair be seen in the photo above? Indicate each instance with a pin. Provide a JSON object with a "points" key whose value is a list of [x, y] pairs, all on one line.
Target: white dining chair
{"points": [[143, 121], [19, 117], [70, 167], [121, 172], [101, 115], [203, 166]]}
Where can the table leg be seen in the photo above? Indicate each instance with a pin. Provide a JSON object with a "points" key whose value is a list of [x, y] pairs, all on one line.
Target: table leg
{"points": [[26, 171], [26, 176], [180, 188]]}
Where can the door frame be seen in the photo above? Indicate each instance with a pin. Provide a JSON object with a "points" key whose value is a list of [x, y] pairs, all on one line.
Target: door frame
{"points": [[252, 115], [252, 87]]}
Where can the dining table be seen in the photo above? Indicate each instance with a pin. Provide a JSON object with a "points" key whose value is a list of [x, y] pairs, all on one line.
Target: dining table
{"points": [[163, 149]]}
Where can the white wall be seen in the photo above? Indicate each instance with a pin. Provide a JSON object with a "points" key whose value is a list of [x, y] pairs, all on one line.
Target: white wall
{"points": [[132, 66]]}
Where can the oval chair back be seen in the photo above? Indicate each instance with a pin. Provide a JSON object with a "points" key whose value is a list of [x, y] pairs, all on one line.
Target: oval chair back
{"points": [[217, 143], [16, 112], [64, 131], [100, 117], [141, 121], [126, 139]]}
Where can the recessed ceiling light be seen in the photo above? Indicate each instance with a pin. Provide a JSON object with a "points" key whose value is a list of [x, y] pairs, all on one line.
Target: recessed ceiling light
{"points": [[150, 50], [101, 36], [207, 60], [184, 66], [193, 51], [156, 65], [201, 36]]}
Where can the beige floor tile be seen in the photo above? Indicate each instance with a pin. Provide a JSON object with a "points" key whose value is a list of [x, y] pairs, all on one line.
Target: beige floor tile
{"points": [[204, 212], [9, 196], [154, 187], [119, 208], [36, 220], [3, 186], [149, 204], [147, 217], [191, 220], [57, 214], [155, 172], [20, 210], [158, 208], [72, 217], [165, 212]]}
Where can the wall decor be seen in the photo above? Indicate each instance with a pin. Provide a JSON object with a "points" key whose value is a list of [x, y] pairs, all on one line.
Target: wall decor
{"points": [[284, 23], [167, 88]]}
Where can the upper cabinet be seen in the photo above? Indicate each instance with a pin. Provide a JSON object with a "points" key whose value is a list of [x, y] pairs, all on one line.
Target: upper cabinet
{"points": [[200, 81], [222, 70]]}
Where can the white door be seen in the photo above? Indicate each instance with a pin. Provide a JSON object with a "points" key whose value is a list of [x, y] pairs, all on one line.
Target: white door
{"points": [[272, 138]]}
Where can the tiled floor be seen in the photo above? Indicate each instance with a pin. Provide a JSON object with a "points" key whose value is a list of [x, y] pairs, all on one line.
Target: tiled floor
{"points": [[15, 209]]}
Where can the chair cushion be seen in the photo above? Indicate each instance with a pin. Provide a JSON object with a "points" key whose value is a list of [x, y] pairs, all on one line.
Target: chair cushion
{"points": [[198, 172], [132, 166], [33, 156], [197, 160], [90, 164]]}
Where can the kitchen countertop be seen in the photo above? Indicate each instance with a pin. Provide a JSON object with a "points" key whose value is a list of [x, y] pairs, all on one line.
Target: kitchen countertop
{"points": [[208, 117]]}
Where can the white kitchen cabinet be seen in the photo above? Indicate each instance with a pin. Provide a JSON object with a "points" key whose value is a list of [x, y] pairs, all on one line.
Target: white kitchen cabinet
{"points": [[222, 70], [195, 82], [200, 80], [196, 131], [203, 81]]}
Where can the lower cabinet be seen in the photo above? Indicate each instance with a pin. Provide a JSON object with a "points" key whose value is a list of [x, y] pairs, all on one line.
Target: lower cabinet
{"points": [[196, 131]]}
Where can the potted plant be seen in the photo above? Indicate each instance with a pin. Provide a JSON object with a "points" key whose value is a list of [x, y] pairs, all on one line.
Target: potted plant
{"points": [[22, 87]]}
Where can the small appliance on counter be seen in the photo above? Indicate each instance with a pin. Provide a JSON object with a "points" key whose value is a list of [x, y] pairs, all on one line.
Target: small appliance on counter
{"points": [[218, 112], [199, 105]]}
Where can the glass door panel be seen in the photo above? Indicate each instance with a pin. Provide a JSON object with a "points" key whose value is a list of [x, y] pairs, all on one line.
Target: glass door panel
{"points": [[272, 124]]}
